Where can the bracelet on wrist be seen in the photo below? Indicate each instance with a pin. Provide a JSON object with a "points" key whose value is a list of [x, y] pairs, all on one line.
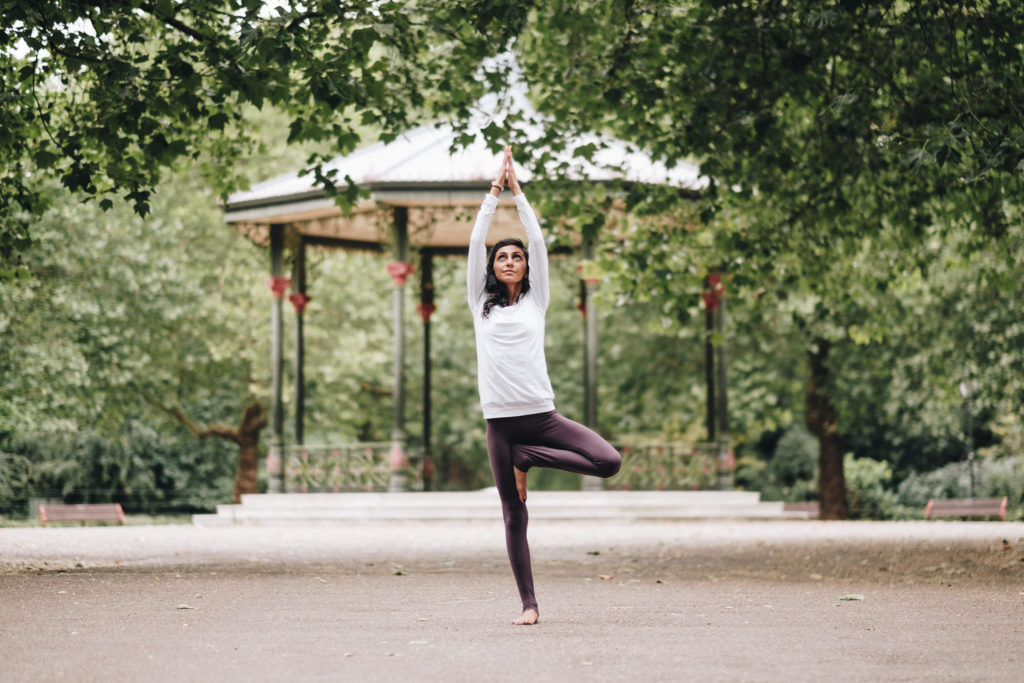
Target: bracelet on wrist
{"points": [[500, 187]]}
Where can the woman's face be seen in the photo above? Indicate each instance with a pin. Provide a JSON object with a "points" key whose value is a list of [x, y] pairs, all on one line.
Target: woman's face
{"points": [[510, 265]]}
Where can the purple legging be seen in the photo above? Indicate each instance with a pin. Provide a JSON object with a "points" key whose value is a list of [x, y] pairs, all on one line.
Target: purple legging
{"points": [[539, 440]]}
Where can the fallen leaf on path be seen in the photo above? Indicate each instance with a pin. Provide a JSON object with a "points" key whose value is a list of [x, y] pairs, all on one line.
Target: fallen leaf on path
{"points": [[184, 606], [605, 577], [852, 596], [593, 552]]}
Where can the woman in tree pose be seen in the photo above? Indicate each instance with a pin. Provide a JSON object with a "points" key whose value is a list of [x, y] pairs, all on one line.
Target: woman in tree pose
{"points": [[508, 295]]}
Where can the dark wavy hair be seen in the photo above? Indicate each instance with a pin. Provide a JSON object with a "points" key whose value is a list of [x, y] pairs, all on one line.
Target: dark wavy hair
{"points": [[497, 293]]}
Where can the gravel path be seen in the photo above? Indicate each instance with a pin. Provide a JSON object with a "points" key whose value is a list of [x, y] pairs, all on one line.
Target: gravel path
{"points": [[719, 601]]}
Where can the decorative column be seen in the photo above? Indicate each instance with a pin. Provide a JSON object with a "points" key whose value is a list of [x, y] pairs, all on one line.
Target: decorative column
{"points": [[588, 287], [426, 309], [399, 270], [278, 284], [710, 306], [718, 408], [299, 300]]}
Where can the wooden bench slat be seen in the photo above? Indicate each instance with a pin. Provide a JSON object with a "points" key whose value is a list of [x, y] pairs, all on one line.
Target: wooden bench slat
{"points": [[966, 507], [809, 509], [98, 512]]}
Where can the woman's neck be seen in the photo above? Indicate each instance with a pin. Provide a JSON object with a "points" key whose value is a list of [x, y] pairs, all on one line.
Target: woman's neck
{"points": [[513, 292]]}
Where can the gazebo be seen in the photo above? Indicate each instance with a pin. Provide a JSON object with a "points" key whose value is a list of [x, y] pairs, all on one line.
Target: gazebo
{"points": [[423, 192]]}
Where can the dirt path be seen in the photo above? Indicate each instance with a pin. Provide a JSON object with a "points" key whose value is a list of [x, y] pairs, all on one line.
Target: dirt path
{"points": [[405, 601]]}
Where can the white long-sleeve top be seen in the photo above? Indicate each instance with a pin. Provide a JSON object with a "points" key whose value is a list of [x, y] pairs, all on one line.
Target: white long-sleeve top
{"points": [[512, 372]]}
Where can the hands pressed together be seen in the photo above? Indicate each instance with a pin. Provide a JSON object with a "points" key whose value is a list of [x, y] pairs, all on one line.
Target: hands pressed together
{"points": [[506, 176]]}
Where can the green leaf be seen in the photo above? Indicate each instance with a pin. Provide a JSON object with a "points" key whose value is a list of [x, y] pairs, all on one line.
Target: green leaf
{"points": [[495, 135], [45, 158], [218, 121], [585, 151]]}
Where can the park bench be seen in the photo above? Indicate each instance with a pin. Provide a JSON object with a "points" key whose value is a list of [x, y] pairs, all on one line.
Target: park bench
{"points": [[966, 507], [802, 510], [105, 512]]}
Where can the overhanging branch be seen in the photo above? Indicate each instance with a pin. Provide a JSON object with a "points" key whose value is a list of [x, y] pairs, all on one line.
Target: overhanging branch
{"points": [[221, 430], [174, 23]]}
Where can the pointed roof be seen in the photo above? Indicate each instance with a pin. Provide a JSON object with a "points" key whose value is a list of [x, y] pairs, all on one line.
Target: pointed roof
{"points": [[440, 184]]}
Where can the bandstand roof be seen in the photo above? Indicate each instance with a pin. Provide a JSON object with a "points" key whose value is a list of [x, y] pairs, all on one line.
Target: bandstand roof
{"points": [[441, 188]]}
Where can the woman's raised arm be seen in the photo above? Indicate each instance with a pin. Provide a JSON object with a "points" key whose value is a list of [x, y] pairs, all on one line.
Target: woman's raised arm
{"points": [[539, 280], [476, 269]]}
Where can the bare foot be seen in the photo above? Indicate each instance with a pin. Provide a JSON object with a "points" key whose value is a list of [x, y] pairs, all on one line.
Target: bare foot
{"points": [[528, 618], [520, 485]]}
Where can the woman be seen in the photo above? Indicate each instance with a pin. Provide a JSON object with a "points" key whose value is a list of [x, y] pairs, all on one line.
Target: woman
{"points": [[508, 295]]}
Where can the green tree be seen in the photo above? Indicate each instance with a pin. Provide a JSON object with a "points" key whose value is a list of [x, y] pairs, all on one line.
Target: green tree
{"points": [[824, 121], [106, 97], [124, 308]]}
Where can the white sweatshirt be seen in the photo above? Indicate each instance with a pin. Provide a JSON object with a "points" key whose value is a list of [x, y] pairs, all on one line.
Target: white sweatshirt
{"points": [[512, 372]]}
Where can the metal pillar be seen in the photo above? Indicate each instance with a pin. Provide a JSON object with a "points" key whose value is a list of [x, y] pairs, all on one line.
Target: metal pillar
{"points": [[588, 289], [724, 448], [275, 455], [709, 367], [299, 300], [426, 309], [399, 271], [966, 389]]}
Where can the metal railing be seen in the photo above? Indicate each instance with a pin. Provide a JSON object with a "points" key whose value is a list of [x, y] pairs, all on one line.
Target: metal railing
{"points": [[344, 468], [672, 466], [367, 467]]}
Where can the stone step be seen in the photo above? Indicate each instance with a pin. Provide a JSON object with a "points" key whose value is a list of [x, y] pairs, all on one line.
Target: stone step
{"points": [[489, 496], [485, 505]]}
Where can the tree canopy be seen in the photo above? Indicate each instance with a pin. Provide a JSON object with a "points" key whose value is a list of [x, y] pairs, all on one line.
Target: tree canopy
{"points": [[864, 163], [106, 97], [833, 134]]}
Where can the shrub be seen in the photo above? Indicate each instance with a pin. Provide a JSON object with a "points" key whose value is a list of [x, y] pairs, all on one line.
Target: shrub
{"points": [[142, 469], [791, 471], [867, 492], [796, 456], [949, 481], [15, 482], [993, 478]]}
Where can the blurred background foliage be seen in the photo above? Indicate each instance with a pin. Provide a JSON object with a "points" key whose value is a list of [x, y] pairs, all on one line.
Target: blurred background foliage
{"points": [[175, 306], [871, 211]]}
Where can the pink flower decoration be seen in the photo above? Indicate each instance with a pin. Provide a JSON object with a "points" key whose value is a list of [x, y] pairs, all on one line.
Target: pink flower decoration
{"points": [[399, 271], [299, 301], [425, 311], [278, 285]]}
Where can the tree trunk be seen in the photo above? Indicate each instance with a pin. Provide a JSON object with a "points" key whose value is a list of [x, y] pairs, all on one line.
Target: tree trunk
{"points": [[247, 436], [823, 422], [247, 472]]}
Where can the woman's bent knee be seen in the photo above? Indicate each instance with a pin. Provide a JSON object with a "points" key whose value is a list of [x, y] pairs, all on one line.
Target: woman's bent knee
{"points": [[610, 465], [612, 469]]}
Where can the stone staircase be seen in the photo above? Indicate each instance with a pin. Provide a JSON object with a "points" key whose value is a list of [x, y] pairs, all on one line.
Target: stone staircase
{"points": [[484, 505]]}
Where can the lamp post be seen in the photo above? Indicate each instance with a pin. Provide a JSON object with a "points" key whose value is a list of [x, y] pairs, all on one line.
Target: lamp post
{"points": [[966, 389]]}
